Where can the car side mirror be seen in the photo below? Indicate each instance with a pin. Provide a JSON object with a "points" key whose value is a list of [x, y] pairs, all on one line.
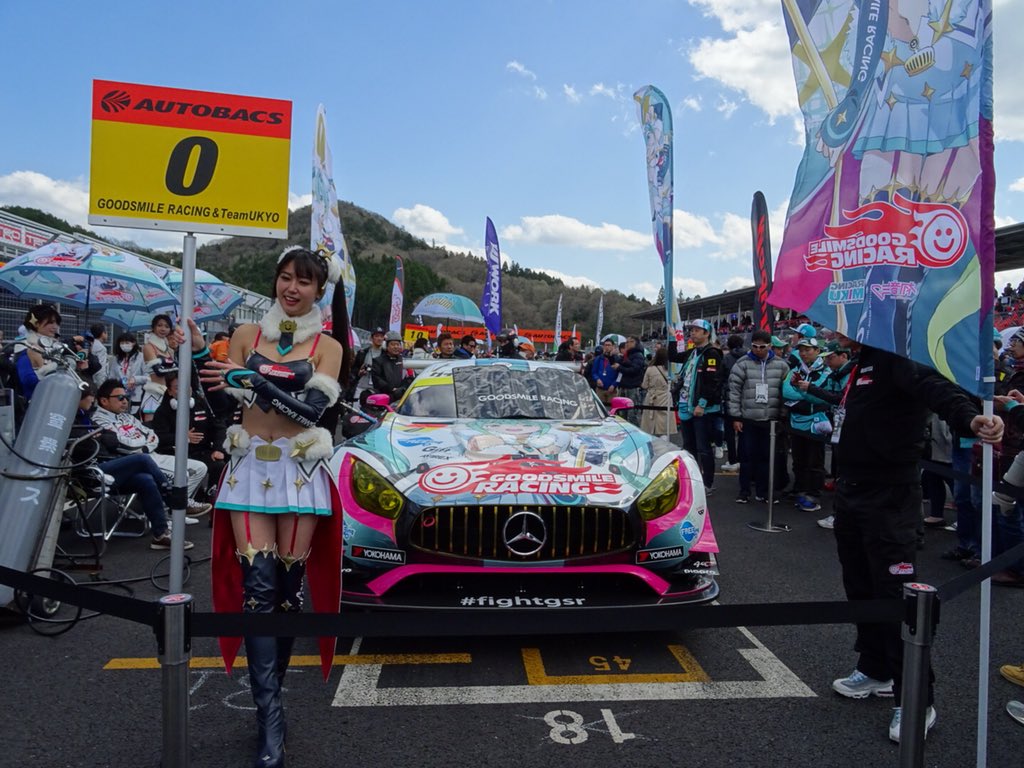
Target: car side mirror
{"points": [[380, 400], [620, 404]]}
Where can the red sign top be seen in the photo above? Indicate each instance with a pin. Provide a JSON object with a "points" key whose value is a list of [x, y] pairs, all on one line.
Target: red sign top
{"points": [[194, 110]]}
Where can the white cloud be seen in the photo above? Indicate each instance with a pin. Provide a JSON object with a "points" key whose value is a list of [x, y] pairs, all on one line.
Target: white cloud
{"points": [[734, 283], [645, 290], [728, 241], [573, 281], [426, 222], [689, 286], [692, 102], [691, 231], [519, 69], [726, 107], [1018, 185], [571, 94], [540, 93], [1004, 221], [298, 201], [734, 15], [555, 229], [600, 89]]}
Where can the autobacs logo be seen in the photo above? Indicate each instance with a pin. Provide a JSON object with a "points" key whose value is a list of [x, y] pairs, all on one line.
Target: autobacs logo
{"points": [[118, 100], [115, 101], [902, 233]]}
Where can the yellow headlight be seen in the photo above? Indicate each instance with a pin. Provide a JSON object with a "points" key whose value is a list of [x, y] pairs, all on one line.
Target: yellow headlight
{"points": [[374, 493], [661, 496]]}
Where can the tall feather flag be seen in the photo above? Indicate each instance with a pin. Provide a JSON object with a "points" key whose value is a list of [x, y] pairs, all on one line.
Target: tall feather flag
{"points": [[558, 322], [656, 122], [397, 296], [491, 303], [325, 227], [890, 231], [762, 262], [600, 320]]}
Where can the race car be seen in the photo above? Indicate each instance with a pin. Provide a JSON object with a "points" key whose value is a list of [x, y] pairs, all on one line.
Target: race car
{"points": [[499, 483]]}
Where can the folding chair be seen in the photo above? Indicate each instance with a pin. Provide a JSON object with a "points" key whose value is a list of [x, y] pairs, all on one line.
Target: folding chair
{"points": [[101, 511]]}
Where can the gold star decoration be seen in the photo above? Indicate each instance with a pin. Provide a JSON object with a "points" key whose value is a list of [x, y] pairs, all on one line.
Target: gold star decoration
{"points": [[942, 26], [235, 439], [891, 59], [967, 70], [891, 100], [253, 603], [928, 91], [299, 482], [285, 606], [267, 484], [232, 481], [829, 60], [301, 446], [841, 118]]}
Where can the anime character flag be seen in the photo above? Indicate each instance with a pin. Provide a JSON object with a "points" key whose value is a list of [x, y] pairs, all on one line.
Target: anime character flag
{"points": [[397, 296], [558, 322], [890, 231], [325, 227], [491, 303], [656, 122], [600, 319]]}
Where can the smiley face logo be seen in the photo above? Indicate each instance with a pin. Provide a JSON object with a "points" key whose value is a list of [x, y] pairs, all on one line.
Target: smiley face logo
{"points": [[445, 479], [943, 237]]}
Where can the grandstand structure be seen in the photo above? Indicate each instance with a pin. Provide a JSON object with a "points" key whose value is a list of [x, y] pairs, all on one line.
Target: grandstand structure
{"points": [[19, 235]]}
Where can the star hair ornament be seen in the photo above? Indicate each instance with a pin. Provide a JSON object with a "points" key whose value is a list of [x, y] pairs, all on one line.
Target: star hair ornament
{"points": [[332, 264]]}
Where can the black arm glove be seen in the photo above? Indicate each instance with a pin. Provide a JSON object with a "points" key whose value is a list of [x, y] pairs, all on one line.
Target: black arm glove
{"points": [[305, 412]]}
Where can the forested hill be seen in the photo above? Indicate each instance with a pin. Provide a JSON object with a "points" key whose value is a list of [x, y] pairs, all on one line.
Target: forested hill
{"points": [[530, 299]]}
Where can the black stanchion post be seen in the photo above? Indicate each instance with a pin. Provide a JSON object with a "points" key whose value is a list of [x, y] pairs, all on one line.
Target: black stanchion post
{"points": [[918, 633], [769, 526], [174, 639]]}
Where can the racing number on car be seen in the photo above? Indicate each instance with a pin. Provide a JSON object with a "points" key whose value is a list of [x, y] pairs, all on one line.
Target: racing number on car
{"points": [[205, 151], [568, 727]]}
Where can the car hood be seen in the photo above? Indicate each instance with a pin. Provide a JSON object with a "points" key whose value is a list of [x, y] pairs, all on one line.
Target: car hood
{"points": [[462, 461]]}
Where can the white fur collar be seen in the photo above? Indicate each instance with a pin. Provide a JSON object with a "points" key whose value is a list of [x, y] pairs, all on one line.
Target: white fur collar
{"points": [[306, 327], [160, 343]]}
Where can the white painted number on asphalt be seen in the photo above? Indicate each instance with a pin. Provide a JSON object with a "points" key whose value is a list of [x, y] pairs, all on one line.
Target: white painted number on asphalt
{"points": [[575, 731]]}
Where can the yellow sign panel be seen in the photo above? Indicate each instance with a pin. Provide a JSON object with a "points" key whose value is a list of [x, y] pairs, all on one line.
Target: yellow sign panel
{"points": [[189, 161]]}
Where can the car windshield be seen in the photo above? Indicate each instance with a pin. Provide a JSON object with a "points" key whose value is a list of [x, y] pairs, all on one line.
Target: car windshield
{"points": [[501, 392]]}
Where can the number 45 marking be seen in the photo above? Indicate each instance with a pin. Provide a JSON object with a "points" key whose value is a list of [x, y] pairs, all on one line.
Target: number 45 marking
{"points": [[575, 730]]}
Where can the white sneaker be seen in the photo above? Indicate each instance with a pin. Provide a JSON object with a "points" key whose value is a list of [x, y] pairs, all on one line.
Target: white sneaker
{"points": [[727, 467], [828, 523], [198, 508], [860, 686], [894, 724], [191, 520], [719, 452]]}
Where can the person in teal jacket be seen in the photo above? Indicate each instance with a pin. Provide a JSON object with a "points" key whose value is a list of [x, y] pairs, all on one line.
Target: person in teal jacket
{"points": [[809, 425]]}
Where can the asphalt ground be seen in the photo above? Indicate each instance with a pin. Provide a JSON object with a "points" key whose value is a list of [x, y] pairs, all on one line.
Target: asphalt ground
{"points": [[757, 696]]}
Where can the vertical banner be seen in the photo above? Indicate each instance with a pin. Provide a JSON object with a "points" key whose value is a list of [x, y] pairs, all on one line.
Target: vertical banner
{"points": [[397, 296], [437, 332], [890, 232], [491, 303], [656, 122], [600, 320], [558, 322], [762, 262], [325, 226]]}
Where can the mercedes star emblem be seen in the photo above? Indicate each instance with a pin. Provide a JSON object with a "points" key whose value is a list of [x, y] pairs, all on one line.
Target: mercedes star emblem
{"points": [[525, 533]]}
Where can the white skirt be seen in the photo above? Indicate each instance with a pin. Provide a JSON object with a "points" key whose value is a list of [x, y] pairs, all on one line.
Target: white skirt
{"points": [[267, 481]]}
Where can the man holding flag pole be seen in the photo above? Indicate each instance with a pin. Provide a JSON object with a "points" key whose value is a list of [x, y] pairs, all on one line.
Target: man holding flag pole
{"points": [[890, 240]]}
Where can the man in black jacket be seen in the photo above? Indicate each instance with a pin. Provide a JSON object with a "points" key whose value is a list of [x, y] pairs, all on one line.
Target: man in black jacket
{"points": [[879, 427], [389, 368], [631, 367], [700, 396]]}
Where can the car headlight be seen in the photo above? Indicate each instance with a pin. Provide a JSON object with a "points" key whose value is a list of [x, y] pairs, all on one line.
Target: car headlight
{"points": [[660, 496], [374, 493]]}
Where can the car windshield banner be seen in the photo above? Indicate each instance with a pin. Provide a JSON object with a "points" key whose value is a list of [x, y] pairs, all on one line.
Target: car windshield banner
{"points": [[890, 232], [500, 392]]}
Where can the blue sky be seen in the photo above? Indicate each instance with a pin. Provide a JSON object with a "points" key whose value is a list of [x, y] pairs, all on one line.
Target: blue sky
{"points": [[443, 113]]}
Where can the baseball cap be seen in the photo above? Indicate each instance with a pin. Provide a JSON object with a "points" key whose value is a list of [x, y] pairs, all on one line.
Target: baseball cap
{"points": [[777, 342], [378, 330], [832, 348], [807, 330], [808, 342], [704, 325], [392, 336]]}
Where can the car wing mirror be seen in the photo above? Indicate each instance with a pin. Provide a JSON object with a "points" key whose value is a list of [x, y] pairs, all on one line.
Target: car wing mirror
{"points": [[620, 404]]}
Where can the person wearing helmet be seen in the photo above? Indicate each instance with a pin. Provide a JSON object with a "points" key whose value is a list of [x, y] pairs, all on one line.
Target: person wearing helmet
{"points": [[388, 370], [507, 345]]}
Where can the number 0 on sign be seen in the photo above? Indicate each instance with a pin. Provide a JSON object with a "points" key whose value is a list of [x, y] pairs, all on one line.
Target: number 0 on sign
{"points": [[189, 161]]}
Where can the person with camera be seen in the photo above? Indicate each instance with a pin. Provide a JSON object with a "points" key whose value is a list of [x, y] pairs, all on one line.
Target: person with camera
{"points": [[363, 363], [388, 372]]}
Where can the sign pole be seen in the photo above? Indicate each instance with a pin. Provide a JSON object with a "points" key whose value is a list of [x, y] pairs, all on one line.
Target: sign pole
{"points": [[181, 424]]}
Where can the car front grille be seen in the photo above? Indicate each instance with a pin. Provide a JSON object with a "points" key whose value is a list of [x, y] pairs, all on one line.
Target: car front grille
{"points": [[479, 531]]}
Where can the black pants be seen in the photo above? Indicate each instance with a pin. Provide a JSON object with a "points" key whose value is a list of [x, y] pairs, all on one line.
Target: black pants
{"points": [[876, 538], [808, 464]]}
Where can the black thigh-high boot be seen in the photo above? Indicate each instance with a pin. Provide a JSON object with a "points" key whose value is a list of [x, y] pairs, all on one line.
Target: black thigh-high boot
{"points": [[259, 584], [289, 600]]}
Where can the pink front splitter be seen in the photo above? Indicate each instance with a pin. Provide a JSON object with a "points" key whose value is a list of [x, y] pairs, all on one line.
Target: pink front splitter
{"points": [[385, 582]]}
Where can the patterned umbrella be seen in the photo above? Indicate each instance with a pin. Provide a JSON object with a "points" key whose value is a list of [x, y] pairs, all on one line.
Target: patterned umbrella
{"points": [[86, 276], [618, 338], [214, 300], [451, 306]]}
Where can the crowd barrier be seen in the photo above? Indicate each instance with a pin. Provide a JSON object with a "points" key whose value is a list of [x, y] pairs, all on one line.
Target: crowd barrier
{"points": [[175, 623]]}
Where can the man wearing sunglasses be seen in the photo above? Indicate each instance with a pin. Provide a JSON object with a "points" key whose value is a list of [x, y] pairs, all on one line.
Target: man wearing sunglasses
{"points": [[755, 400], [467, 348]]}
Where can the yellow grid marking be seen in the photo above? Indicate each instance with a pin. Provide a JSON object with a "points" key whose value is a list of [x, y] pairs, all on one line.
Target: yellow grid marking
{"points": [[216, 662], [692, 672]]}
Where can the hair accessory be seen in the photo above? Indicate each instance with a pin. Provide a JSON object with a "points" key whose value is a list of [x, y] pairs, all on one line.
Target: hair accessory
{"points": [[333, 265]]}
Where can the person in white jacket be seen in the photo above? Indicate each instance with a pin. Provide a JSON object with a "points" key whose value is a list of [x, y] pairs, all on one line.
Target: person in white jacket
{"points": [[135, 437]]}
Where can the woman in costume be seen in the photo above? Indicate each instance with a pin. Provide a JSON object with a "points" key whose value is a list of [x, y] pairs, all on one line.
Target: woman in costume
{"points": [[128, 366], [42, 323], [158, 356], [277, 509]]}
